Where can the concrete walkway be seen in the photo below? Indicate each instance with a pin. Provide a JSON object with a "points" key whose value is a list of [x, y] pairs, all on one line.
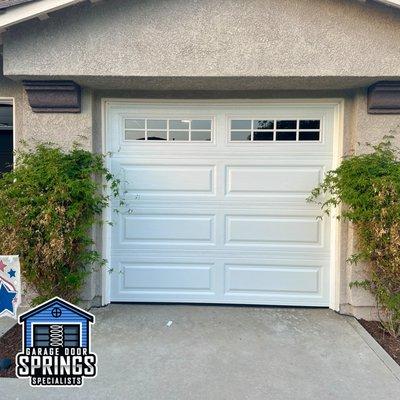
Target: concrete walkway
{"points": [[225, 353]]}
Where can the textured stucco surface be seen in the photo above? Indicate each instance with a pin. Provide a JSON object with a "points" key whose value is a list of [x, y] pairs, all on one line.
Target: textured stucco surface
{"points": [[123, 39], [62, 129], [10, 90], [229, 85]]}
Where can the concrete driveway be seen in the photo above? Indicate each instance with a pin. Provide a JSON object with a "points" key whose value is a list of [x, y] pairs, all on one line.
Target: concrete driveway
{"points": [[212, 352]]}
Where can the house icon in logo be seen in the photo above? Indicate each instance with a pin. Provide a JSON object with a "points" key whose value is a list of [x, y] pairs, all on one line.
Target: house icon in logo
{"points": [[56, 323], [56, 345]]}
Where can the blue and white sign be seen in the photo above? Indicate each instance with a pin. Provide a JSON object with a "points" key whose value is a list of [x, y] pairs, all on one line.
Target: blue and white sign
{"points": [[10, 286], [56, 345]]}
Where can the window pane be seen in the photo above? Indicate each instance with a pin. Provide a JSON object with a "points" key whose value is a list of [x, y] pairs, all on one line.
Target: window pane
{"points": [[157, 124], [285, 135], [308, 135], [42, 337], [179, 124], [134, 135], [41, 329], [309, 124], [201, 124], [156, 135], [71, 329], [179, 135], [72, 336], [240, 135], [286, 124], [241, 124], [42, 343], [263, 124], [134, 123], [263, 136], [71, 343], [201, 136]]}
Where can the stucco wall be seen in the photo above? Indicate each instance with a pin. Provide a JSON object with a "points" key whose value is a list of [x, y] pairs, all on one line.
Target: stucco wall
{"points": [[10, 90], [63, 129], [132, 42]]}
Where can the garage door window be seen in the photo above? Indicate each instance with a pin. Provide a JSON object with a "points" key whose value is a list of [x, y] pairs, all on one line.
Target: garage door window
{"points": [[56, 335], [169, 130], [294, 130]]}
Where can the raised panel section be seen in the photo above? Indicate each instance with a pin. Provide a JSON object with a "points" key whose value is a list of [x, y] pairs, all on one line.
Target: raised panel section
{"points": [[169, 179], [272, 279], [168, 228], [167, 277], [256, 230], [270, 180]]}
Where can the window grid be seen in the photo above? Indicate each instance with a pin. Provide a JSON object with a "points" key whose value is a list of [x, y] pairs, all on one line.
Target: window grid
{"points": [[168, 129], [275, 130], [69, 335]]}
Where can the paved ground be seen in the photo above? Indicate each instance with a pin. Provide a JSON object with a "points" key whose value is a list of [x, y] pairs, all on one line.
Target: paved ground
{"points": [[5, 324], [212, 352]]}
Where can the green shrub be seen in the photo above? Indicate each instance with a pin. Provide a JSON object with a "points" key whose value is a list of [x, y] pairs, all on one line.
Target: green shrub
{"points": [[49, 203], [368, 187]]}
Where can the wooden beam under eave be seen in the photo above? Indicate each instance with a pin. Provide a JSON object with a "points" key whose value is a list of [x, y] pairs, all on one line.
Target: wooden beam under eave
{"points": [[384, 98]]}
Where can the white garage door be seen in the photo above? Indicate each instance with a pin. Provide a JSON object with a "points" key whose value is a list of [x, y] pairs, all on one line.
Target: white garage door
{"points": [[217, 209]]}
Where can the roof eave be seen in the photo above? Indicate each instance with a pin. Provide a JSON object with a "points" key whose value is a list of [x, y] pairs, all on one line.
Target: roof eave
{"points": [[58, 300], [25, 11], [12, 3], [393, 3]]}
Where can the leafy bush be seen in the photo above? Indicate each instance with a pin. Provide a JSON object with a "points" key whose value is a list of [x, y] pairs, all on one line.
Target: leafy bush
{"points": [[368, 186], [49, 203]]}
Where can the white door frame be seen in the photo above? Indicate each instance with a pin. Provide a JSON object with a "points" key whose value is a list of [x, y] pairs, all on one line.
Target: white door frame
{"points": [[338, 106]]}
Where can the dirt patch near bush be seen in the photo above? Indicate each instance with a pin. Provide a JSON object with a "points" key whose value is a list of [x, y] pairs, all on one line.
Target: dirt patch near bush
{"points": [[10, 345], [389, 343]]}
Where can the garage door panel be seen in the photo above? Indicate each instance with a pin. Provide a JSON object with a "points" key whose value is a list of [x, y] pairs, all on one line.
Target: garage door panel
{"points": [[259, 281], [166, 228], [169, 179], [167, 277], [260, 229], [272, 278], [258, 180]]}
